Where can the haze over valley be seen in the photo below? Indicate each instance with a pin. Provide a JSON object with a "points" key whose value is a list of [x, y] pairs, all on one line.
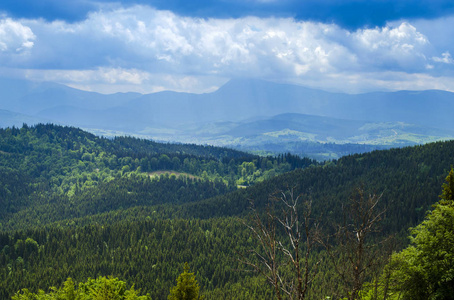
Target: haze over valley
{"points": [[251, 115]]}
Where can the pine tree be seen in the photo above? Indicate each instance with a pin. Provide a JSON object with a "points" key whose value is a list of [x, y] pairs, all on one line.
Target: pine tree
{"points": [[448, 188], [187, 287]]}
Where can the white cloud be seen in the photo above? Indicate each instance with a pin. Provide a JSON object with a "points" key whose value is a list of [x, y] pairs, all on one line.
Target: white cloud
{"points": [[111, 80], [400, 48], [150, 38], [131, 46], [15, 37], [446, 58], [104, 75]]}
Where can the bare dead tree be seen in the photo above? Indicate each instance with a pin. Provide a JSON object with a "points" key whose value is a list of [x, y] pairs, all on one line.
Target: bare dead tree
{"points": [[285, 243], [350, 248]]}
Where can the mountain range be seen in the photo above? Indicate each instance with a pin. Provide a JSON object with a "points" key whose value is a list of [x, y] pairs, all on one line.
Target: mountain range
{"points": [[243, 113]]}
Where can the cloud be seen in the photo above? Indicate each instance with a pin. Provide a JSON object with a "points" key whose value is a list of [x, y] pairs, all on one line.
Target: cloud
{"points": [[100, 75], [144, 37], [112, 80], [14, 37], [395, 48], [446, 58], [351, 14], [131, 46]]}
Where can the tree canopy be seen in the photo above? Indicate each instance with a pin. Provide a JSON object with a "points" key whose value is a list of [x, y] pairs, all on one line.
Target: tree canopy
{"points": [[425, 269], [187, 287], [102, 288]]}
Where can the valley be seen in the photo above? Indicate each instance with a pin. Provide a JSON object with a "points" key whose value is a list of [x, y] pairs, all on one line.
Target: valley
{"points": [[245, 114], [92, 210]]}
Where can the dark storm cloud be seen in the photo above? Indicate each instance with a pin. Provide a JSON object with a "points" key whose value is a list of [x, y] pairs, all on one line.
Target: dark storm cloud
{"points": [[351, 14]]}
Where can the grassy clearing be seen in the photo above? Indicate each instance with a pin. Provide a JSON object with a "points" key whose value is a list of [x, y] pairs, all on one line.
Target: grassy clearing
{"points": [[177, 174]]}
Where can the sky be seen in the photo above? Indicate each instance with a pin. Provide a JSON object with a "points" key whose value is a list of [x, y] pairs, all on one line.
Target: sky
{"points": [[351, 46]]}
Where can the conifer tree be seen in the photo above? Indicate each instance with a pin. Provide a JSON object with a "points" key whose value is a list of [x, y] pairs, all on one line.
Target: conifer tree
{"points": [[448, 188], [187, 287]]}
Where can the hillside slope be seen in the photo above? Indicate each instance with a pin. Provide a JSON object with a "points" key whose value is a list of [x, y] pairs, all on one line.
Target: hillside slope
{"points": [[64, 218]]}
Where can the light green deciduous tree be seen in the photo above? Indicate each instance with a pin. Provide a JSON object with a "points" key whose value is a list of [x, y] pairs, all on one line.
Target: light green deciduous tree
{"points": [[425, 269], [101, 288]]}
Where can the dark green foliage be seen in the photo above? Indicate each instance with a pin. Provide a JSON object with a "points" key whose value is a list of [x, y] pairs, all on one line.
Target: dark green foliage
{"points": [[76, 205], [13, 191], [425, 269], [148, 254], [448, 188], [53, 152], [409, 178], [117, 194], [50, 173]]}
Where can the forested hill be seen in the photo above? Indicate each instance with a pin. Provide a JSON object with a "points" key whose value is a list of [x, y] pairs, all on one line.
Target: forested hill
{"points": [[72, 138], [56, 173], [51, 173], [409, 179], [76, 205]]}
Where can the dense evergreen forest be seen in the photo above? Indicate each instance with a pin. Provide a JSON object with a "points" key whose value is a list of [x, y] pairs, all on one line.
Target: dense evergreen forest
{"points": [[51, 172], [80, 206]]}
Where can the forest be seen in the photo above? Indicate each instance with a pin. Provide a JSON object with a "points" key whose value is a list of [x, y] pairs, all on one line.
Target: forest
{"points": [[83, 214]]}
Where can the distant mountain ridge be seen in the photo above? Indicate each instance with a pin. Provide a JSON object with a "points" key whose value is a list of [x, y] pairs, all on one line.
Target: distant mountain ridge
{"points": [[169, 115], [9, 119], [31, 98], [326, 127]]}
